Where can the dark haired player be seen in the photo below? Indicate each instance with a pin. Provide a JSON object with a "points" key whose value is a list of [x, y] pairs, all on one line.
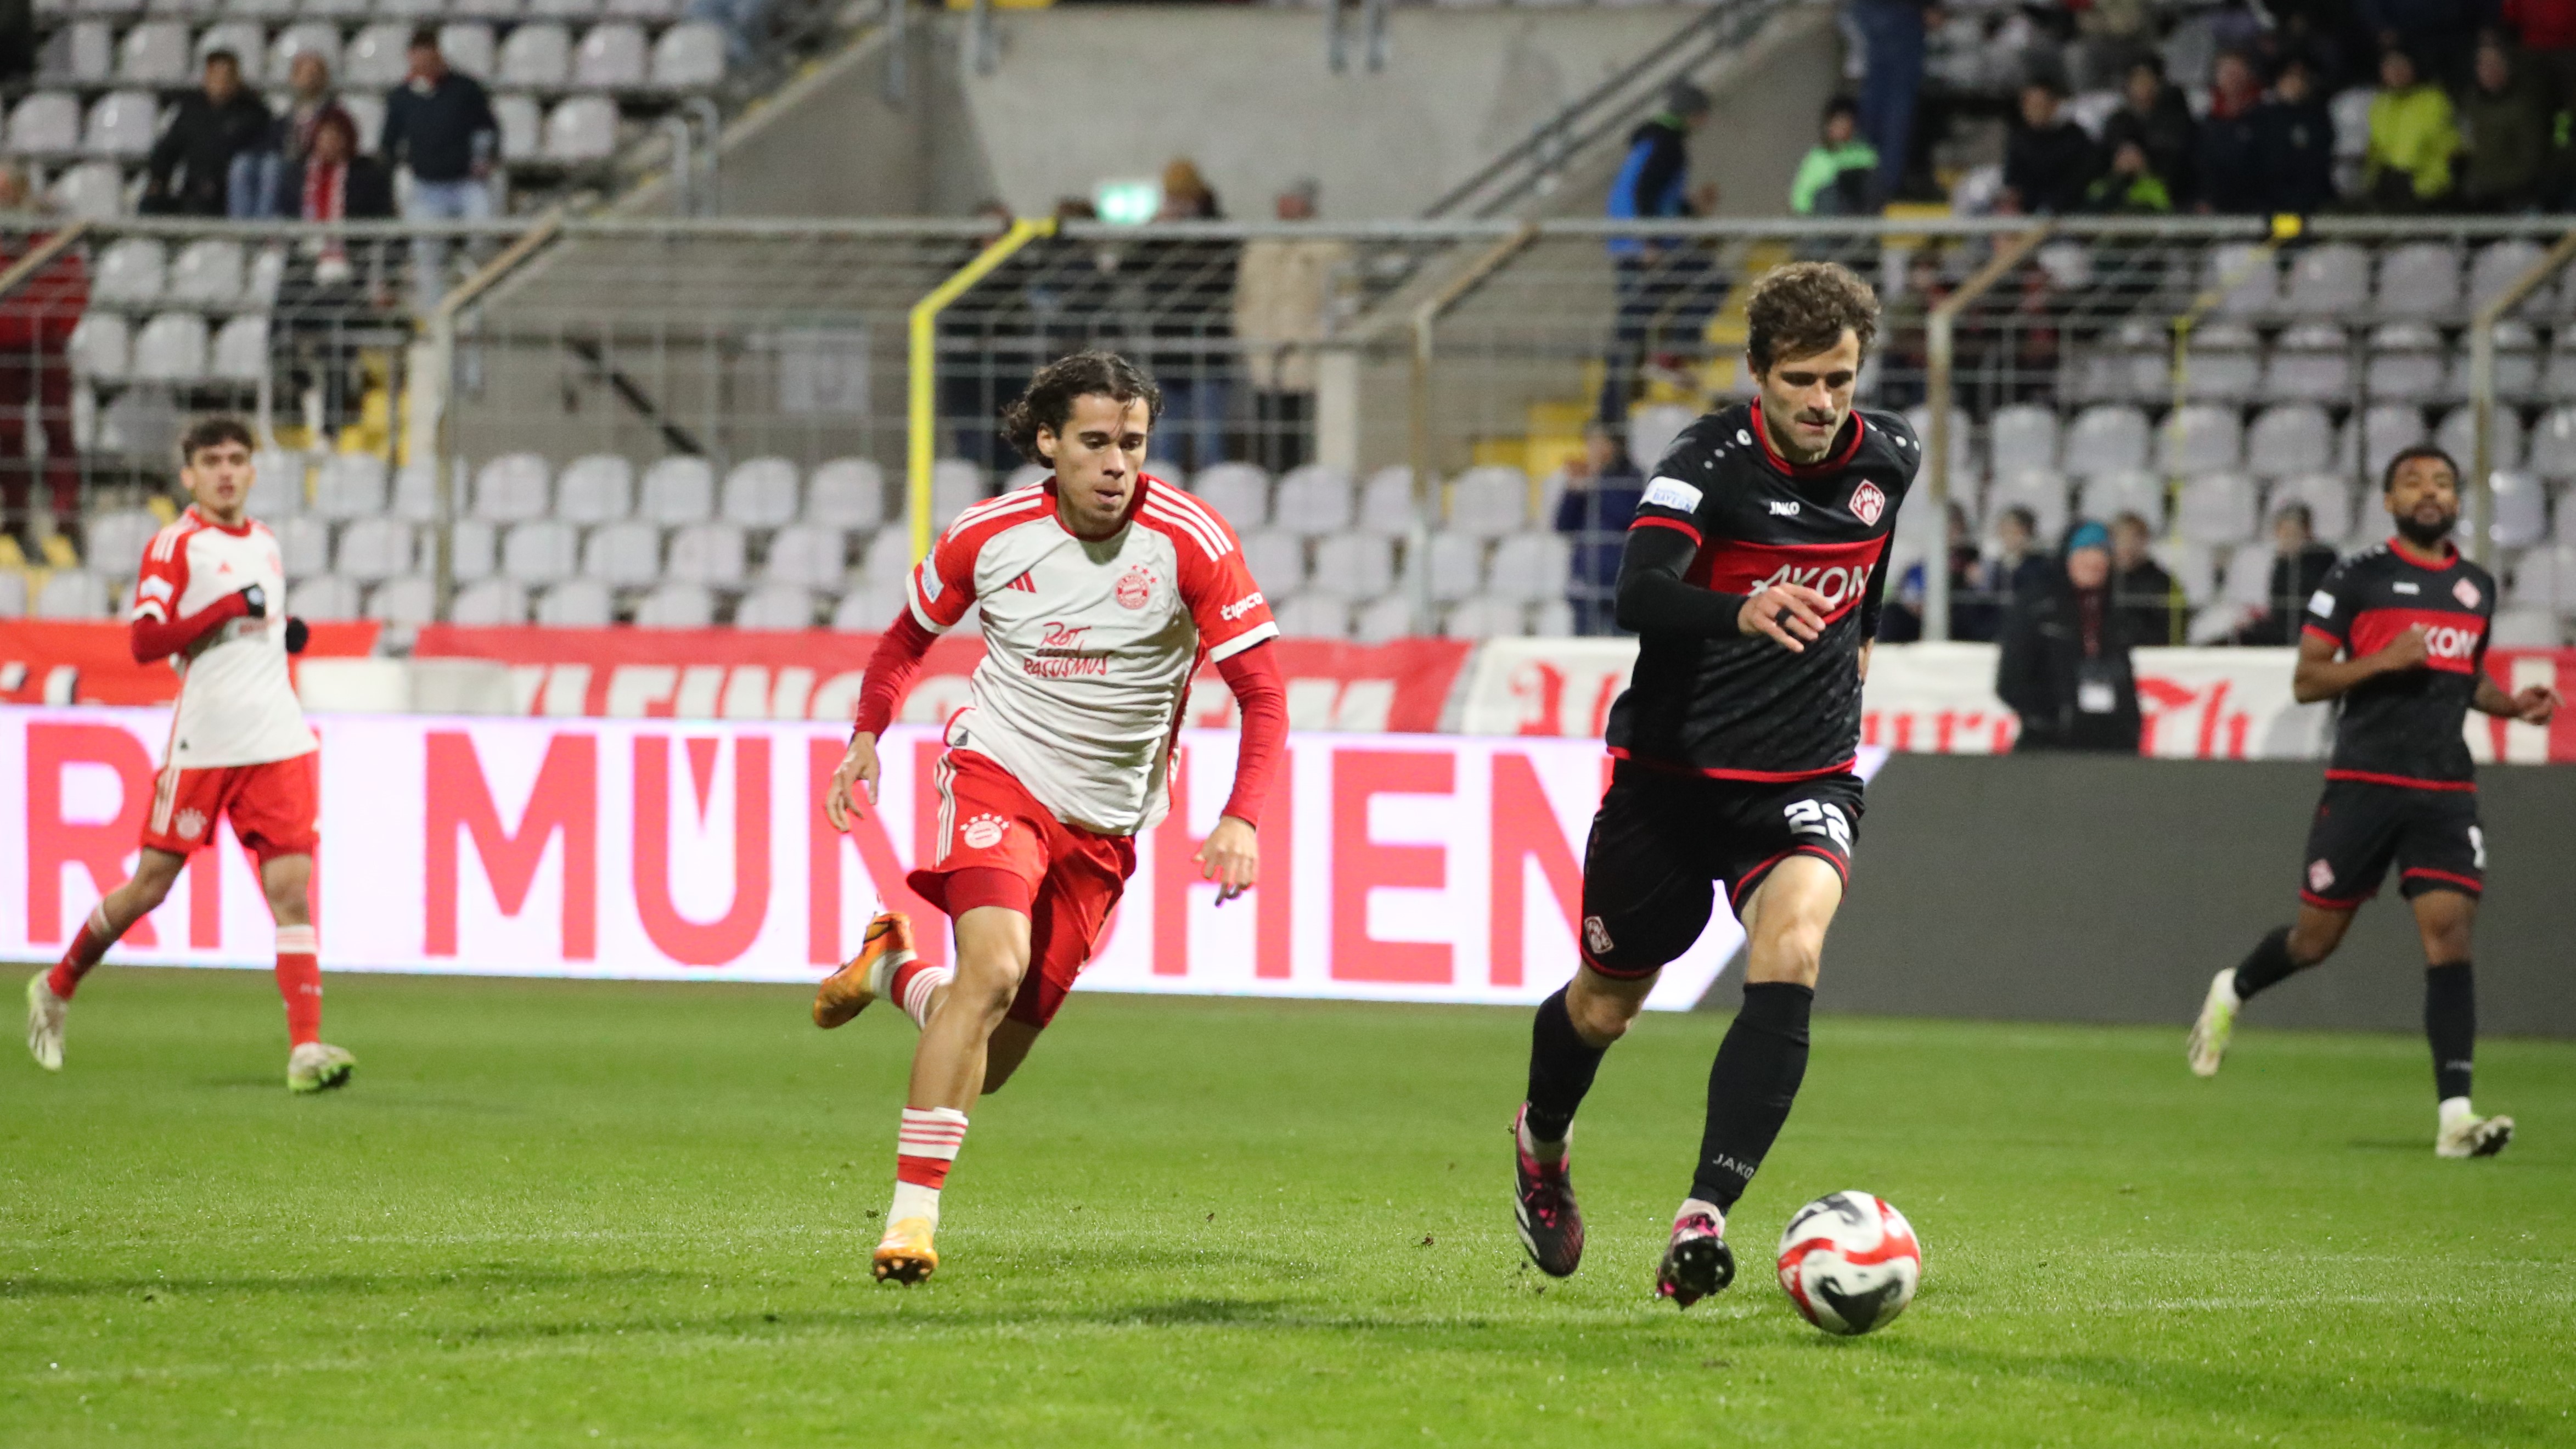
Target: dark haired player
{"points": [[1102, 591], [210, 597], [1752, 575], [2398, 636]]}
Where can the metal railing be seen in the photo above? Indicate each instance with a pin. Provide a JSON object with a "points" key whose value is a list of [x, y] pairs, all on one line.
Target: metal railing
{"points": [[2201, 374]]}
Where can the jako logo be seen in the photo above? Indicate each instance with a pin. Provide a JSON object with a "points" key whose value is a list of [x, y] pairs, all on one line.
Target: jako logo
{"points": [[1241, 607], [1784, 508], [1836, 584]]}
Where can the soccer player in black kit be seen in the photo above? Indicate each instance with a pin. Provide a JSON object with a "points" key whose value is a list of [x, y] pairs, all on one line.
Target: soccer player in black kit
{"points": [[1752, 577], [2398, 636]]}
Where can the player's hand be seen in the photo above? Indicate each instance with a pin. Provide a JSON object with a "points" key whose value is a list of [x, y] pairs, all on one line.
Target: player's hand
{"points": [[1864, 659], [1793, 614], [297, 635], [858, 769], [2536, 704], [255, 601], [1231, 858], [2406, 651]]}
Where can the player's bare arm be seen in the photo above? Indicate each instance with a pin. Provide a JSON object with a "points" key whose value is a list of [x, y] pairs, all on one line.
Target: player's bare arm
{"points": [[2320, 675], [2531, 704], [844, 801]]}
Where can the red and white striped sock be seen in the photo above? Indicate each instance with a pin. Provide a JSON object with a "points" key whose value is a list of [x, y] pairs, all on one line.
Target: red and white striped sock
{"points": [[299, 980], [924, 1148], [89, 944], [911, 987]]}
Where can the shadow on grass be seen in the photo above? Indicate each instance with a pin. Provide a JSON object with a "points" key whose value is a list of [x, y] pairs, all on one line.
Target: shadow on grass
{"points": [[2284, 1396]]}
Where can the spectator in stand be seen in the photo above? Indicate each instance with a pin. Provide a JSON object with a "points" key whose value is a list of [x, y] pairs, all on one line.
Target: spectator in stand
{"points": [[440, 124], [1902, 621], [2299, 565], [35, 332], [2017, 568], [2064, 667], [2154, 115], [190, 169], [2294, 145], [2547, 30], [2140, 587], [2413, 136], [2130, 187], [2048, 159], [256, 189], [1192, 323], [2440, 34], [2510, 120], [1287, 296], [1601, 492], [1658, 283], [2226, 158], [2320, 34], [333, 286], [1839, 176], [1891, 34]]}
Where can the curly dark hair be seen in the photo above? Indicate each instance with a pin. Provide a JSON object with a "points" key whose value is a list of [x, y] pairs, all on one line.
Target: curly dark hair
{"points": [[1048, 404], [2406, 455], [1803, 308], [212, 432]]}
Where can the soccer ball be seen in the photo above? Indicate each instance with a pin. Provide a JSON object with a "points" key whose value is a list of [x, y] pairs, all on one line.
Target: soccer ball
{"points": [[1850, 1262]]}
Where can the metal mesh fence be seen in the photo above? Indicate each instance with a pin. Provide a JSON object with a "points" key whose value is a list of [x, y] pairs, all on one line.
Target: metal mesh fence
{"points": [[1418, 426]]}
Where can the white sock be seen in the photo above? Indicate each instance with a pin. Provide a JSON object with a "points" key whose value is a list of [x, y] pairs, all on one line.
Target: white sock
{"points": [[1546, 1152], [2456, 1110], [912, 1200], [1692, 1206], [881, 975], [2227, 987], [918, 988]]}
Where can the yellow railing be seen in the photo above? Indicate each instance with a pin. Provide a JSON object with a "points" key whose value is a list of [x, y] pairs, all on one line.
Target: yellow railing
{"points": [[923, 434]]}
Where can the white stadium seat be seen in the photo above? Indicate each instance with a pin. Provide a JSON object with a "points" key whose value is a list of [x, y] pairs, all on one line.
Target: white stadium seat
{"points": [[323, 598], [1353, 566], [759, 493], [44, 124], [522, 127], [2247, 276], [468, 46], [475, 545], [311, 37], [378, 56], [2384, 429], [171, 348], [563, 9], [410, 599], [627, 553], [1652, 428], [415, 492], [676, 606], [1489, 502], [2517, 361], [2223, 363], [374, 549], [2551, 452], [2215, 509], [276, 484], [241, 350], [490, 602], [1529, 567], [2201, 438], [1313, 500], [2107, 438], [595, 488], [208, 272], [2112, 494], [583, 128], [512, 488], [91, 191], [1962, 439], [87, 55], [2021, 435], [2521, 516], [2419, 279], [955, 486], [487, 9], [2289, 438], [2041, 491], [707, 553], [2327, 281], [2405, 361], [2545, 578], [611, 57], [1457, 567], [247, 40], [115, 541], [809, 556], [537, 56], [775, 606], [870, 607], [303, 544], [2328, 497], [73, 594], [689, 57], [155, 53], [677, 490], [13, 594], [846, 493], [2496, 266], [541, 551], [1239, 492], [350, 485], [577, 604], [2458, 436], [1485, 617], [2311, 363], [1277, 560], [102, 346], [888, 556], [1386, 501], [1314, 616], [1383, 621], [656, 11], [122, 124]]}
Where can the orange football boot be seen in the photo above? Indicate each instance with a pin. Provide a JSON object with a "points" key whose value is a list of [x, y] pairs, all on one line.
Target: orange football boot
{"points": [[906, 1256], [847, 992]]}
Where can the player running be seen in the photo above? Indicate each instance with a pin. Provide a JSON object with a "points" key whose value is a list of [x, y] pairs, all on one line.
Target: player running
{"points": [[211, 599], [2409, 622], [1101, 592], [1752, 576]]}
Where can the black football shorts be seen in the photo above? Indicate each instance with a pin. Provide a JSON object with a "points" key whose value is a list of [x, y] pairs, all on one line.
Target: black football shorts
{"points": [[1662, 842], [2361, 826]]}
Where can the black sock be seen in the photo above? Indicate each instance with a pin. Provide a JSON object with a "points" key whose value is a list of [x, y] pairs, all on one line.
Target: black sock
{"points": [[1561, 1068], [2265, 965], [2451, 1025], [1750, 1087]]}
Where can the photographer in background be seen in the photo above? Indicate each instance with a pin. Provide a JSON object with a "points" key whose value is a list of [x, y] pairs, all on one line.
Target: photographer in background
{"points": [[2065, 663]]}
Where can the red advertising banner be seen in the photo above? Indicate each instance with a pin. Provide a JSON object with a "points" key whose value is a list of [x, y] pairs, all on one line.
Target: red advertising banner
{"points": [[754, 674], [60, 661]]}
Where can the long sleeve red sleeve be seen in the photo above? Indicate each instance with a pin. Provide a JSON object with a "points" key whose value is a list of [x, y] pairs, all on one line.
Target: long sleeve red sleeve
{"points": [[153, 637], [890, 670], [1253, 675]]}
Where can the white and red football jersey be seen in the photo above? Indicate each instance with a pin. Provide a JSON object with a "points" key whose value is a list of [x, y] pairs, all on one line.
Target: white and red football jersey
{"points": [[236, 703], [1089, 643]]}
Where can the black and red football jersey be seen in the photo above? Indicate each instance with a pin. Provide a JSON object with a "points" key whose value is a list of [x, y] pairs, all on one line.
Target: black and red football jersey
{"points": [[1743, 707], [2404, 728]]}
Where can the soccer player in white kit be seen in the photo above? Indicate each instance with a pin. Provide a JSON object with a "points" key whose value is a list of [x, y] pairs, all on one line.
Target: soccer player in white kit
{"points": [[1101, 591], [211, 598]]}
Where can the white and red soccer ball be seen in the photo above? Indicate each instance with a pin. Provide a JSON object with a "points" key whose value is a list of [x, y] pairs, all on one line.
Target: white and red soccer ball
{"points": [[1849, 1262]]}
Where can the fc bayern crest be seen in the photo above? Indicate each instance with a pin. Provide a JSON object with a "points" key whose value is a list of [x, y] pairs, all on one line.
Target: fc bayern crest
{"points": [[1136, 590], [1868, 503], [2466, 593]]}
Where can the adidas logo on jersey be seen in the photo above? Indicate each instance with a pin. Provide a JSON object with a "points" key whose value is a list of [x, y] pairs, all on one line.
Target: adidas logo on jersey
{"points": [[1023, 583]]}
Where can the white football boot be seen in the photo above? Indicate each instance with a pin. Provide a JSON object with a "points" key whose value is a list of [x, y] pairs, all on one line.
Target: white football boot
{"points": [[2217, 1023], [45, 1013], [2464, 1133]]}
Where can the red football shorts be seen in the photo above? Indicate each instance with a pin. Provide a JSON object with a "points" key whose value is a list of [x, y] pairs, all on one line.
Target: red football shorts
{"points": [[272, 806], [989, 821]]}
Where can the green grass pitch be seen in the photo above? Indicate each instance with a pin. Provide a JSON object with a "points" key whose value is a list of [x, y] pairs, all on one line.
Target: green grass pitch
{"points": [[573, 1213]]}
